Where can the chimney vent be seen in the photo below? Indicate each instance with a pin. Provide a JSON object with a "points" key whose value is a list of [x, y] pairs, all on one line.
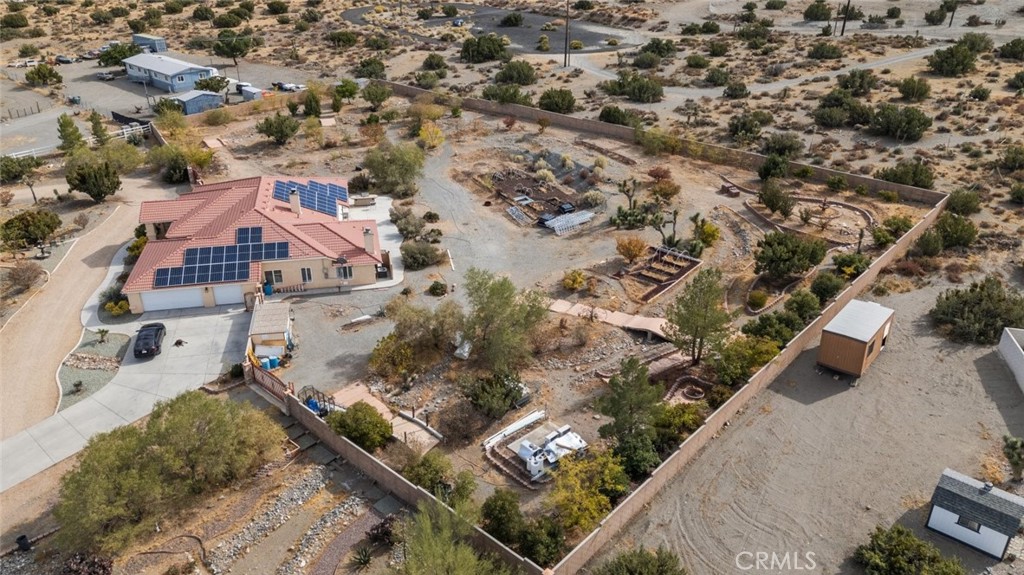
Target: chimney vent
{"points": [[368, 241], [293, 201], [987, 487]]}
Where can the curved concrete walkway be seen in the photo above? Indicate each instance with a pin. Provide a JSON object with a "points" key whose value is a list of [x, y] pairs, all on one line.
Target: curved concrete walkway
{"points": [[650, 325]]}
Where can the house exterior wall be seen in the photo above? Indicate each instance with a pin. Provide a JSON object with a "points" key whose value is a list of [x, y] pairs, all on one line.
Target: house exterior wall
{"points": [[985, 540], [1013, 355], [848, 355], [291, 273], [168, 83], [201, 104]]}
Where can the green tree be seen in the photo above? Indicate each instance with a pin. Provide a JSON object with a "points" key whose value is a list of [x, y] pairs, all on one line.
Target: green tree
{"points": [[213, 84], [914, 89], [362, 424], [781, 255], [1013, 50], [774, 166], [558, 100], [818, 11], [502, 320], [964, 202], [909, 172], [858, 82], [231, 44], [631, 403], [584, 488], [342, 38], [506, 94], [482, 49], [369, 68], [395, 168], [501, 517], [435, 542], [94, 180], [804, 304], [826, 285], [376, 94], [28, 228], [278, 127], [897, 551], [979, 313], [956, 60], [99, 131], [43, 75], [1013, 449], [696, 320], [642, 562], [434, 473], [738, 359], [311, 104], [900, 122], [16, 169], [956, 231], [115, 54], [70, 136], [787, 145], [662, 47], [347, 88], [495, 395], [543, 540], [515, 72]]}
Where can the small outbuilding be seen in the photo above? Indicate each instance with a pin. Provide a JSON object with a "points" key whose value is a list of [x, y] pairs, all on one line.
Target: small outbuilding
{"points": [[150, 42], [198, 101], [250, 93], [270, 329], [1011, 347], [855, 337], [975, 513]]}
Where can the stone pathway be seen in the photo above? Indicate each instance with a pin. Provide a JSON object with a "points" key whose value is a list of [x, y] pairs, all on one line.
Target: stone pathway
{"points": [[650, 325]]}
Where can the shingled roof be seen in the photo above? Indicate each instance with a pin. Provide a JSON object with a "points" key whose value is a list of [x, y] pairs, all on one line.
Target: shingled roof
{"points": [[971, 499]]}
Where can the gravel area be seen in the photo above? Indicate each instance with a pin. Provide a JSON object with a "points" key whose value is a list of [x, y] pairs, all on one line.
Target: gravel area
{"points": [[93, 364], [277, 514], [350, 515]]}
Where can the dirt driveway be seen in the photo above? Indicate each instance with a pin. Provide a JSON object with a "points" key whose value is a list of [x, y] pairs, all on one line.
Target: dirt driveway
{"points": [[814, 464], [35, 341]]}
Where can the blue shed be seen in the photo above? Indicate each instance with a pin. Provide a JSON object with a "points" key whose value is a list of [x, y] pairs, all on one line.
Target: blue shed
{"points": [[250, 93], [154, 43], [197, 101]]}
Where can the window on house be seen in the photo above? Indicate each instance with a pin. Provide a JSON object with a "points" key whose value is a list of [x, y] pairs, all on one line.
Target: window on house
{"points": [[181, 78], [968, 524], [202, 75], [345, 272], [273, 276], [307, 275], [871, 348]]}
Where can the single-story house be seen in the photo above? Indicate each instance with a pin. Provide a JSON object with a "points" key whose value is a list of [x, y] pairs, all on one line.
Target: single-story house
{"points": [[153, 43], [270, 329], [198, 101], [855, 337], [165, 73], [1011, 347], [220, 242], [975, 513]]}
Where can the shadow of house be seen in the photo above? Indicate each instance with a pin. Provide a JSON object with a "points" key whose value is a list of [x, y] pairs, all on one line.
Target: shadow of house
{"points": [[1001, 387], [806, 382]]}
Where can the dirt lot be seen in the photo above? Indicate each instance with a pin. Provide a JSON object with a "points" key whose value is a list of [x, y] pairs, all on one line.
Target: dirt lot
{"points": [[814, 464]]}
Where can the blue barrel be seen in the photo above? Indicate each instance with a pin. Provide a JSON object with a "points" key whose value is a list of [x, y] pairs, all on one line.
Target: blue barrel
{"points": [[268, 289], [274, 361], [265, 363]]}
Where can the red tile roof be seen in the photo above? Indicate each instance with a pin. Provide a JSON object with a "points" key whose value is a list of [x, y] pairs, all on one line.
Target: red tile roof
{"points": [[210, 214]]}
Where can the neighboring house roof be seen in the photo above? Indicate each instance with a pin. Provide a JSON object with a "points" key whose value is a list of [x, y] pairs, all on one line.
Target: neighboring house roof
{"points": [[270, 317], [163, 64], [859, 320], [969, 498], [193, 94], [210, 215], [146, 37]]}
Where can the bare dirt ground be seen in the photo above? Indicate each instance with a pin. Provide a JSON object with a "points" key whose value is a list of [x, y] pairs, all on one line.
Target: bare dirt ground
{"points": [[813, 464]]}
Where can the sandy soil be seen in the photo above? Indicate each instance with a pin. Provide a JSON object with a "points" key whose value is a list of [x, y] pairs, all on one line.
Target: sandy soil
{"points": [[814, 464]]}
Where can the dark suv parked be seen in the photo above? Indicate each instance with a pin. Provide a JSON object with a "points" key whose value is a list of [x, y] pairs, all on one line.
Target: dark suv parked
{"points": [[149, 339]]}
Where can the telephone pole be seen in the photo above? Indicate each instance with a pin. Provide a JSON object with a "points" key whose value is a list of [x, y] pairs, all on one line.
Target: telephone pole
{"points": [[565, 60]]}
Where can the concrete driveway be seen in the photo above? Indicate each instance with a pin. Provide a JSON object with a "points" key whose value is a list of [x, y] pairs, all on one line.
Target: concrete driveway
{"points": [[215, 339]]}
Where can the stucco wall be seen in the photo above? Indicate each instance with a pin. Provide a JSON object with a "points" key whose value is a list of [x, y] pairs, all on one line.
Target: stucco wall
{"points": [[292, 275], [987, 541], [1013, 355]]}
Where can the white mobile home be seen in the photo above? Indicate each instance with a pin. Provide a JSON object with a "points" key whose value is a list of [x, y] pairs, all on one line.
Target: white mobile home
{"points": [[1011, 347]]}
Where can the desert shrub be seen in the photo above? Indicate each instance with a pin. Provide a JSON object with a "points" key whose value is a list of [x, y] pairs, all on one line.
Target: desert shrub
{"points": [[980, 93], [900, 122], [775, 4], [825, 51], [897, 551], [840, 108], [858, 82], [391, 357], [14, 169], [851, 265], [420, 255], [786, 145], [979, 313], [22, 275], [818, 11], [718, 48], [964, 202], [1013, 50], [780, 255], [482, 49], [437, 288], [910, 173], [935, 17], [342, 38], [747, 126], [518, 72], [929, 244], [757, 299], [647, 60], [697, 61], [1012, 158], [882, 237], [1017, 193], [494, 396], [774, 166], [956, 60], [718, 395], [506, 94], [616, 115], [369, 68], [914, 89], [226, 20], [449, 10], [717, 77], [434, 472], [203, 13], [362, 424], [804, 304], [574, 280], [956, 231], [664, 48], [635, 87], [826, 285], [378, 42], [511, 20], [893, 12], [777, 326], [736, 91]]}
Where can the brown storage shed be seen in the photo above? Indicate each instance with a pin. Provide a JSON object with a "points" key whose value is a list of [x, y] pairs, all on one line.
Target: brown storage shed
{"points": [[855, 337]]}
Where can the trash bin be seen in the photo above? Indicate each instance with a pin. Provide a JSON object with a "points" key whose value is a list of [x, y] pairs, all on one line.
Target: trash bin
{"points": [[268, 289], [23, 543]]}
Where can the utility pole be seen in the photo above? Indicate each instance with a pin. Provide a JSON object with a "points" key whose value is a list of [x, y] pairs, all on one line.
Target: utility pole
{"points": [[565, 61], [846, 16]]}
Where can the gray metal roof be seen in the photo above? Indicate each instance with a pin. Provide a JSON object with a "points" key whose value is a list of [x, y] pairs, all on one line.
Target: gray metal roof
{"points": [[192, 94], [967, 497], [859, 320], [163, 64]]}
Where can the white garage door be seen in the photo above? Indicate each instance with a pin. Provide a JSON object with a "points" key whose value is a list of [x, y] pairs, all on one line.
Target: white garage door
{"points": [[172, 299], [228, 294]]}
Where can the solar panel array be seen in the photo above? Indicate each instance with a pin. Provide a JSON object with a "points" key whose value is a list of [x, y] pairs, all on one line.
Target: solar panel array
{"points": [[222, 263], [314, 196]]}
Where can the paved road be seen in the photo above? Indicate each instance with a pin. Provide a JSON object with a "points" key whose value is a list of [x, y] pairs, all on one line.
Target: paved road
{"points": [[215, 339]]}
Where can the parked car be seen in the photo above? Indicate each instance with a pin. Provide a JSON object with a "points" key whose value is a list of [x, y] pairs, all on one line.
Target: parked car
{"points": [[240, 85], [90, 55], [105, 76], [62, 59], [149, 339], [288, 87], [458, 22], [31, 63]]}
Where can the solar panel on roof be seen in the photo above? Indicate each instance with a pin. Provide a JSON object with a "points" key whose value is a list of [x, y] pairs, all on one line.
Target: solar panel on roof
{"points": [[316, 196]]}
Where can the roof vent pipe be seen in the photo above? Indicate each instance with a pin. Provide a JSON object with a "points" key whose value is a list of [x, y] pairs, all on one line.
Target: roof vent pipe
{"points": [[293, 201]]}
